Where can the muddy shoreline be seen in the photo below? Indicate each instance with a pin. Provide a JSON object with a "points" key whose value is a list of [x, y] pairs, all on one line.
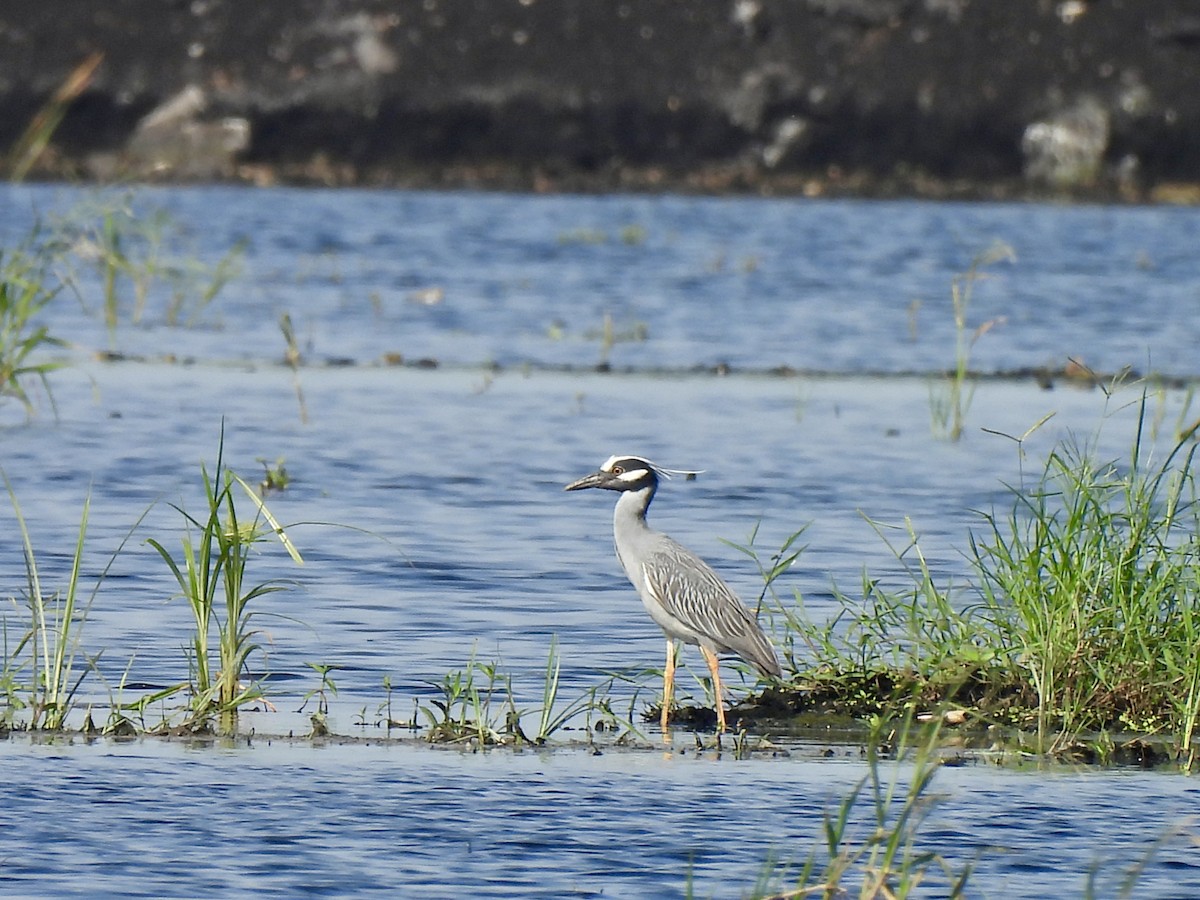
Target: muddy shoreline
{"points": [[926, 98]]}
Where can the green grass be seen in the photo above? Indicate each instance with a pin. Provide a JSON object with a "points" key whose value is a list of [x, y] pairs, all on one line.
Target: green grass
{"points": [[1080, 620], [1092, 578], [477, 706], [42, 672], [465, 711], [293, 359], [146, 262], [141, 256], [44, 666], [871, 846], [950, 400], [211, 573], [52, 641], [27, 287]]}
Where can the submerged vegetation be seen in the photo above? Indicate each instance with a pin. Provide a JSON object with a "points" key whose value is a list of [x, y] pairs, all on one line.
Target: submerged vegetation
{"points": [[141, 262]]}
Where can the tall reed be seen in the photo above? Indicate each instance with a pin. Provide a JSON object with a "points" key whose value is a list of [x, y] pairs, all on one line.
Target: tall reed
{"points": [[949, 401], [33, 141]]}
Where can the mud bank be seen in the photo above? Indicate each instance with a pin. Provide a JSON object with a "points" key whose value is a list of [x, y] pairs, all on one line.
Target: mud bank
{"points": [[920, 97]]}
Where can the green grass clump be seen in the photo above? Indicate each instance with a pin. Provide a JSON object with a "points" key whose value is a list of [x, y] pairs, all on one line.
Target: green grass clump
{"points": [[145, 260], [477, 705], [1092, 579], [42, 673], [211, 573], [1081, 619], [139, 256], [51, 642], [465, 710]]}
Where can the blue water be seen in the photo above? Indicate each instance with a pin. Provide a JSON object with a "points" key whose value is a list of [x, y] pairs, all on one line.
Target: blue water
{"points": [[461, 541], [832, 286], [155, 820]]}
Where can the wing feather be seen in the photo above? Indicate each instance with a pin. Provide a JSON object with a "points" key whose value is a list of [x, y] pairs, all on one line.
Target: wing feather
{"points": [[690, 592]]}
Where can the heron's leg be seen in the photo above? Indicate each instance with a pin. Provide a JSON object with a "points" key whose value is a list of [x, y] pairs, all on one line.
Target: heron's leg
{"points": [[714, 666], [668, 683]]}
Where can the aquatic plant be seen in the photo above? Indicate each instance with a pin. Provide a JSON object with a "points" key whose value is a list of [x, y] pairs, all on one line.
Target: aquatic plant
{"points": [[776, 566], [949, 401], [127, 717], [551, 717], [583, 236], [882, 857], [211, 574], [464, 709], [872, 844], [34, 139], [140, 254], [323, 691], [1093, 579], [52, 639], [478, 705], [275, 476], [609, 336], [886, 650], [293, 358], [1081, 618], [27, 286], [51, 646], [11, 699]]}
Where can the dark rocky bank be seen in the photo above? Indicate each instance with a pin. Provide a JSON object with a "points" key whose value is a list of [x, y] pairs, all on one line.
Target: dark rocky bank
{"points": [[973, 98]]}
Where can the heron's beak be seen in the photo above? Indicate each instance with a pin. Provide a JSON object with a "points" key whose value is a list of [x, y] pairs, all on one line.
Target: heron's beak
{"points": [[595, 480]]}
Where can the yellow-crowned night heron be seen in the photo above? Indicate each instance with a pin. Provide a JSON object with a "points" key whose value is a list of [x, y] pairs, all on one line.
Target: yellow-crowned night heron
{"points": [[687, 599]]}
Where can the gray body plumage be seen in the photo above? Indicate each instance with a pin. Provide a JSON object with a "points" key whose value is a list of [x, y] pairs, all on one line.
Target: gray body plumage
{"points": [[681, 592]]}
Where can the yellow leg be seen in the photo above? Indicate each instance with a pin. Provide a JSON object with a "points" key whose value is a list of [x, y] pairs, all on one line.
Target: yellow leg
{"points": [[668, 683], [714, 666]]}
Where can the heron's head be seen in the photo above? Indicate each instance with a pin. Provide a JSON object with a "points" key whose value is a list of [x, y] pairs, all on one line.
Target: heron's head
{"points": [[625, 473]]}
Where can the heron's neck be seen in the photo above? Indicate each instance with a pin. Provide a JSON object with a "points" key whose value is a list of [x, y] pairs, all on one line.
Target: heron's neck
{"points": [[631, 508]]}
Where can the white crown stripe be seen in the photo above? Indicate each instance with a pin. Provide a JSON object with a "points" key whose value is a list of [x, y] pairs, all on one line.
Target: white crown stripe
{"points": [[660, 470]]}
